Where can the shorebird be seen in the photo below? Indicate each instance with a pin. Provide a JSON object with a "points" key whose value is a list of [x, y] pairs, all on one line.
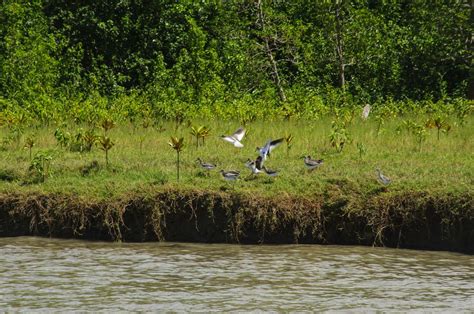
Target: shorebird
{"points": [[365, 112], [205, 165], [312, 164], [255, 165], [269, 146], [271, 173], [235, 138], [381, 178], [230, 175]]}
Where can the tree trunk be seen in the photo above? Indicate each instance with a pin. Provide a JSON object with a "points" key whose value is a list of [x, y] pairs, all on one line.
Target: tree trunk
{"points": [[268, 52], [340, 47]]}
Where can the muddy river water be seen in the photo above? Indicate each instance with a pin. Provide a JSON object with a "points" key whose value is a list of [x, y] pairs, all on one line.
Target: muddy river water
{"points": [[39, 274]]}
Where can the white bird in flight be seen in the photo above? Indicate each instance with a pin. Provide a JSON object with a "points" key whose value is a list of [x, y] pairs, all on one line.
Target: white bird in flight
{"points": [[235, 138], [269, 146]]}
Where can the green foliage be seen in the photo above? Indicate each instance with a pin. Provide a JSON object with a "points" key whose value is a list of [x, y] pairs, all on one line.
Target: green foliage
{"points": [[63, 138], [362, 149], [39, 168], [177, 145], [339, 136], [62, 60], [106, 144], [107, 124], [440, 123], [29, 143], [84, 140], [200, 132]]}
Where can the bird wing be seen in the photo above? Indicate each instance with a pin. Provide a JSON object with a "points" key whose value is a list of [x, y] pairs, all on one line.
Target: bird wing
{"points": [[229, 139], [238, 144], [274, 143], [239, 134], [259, 163]]}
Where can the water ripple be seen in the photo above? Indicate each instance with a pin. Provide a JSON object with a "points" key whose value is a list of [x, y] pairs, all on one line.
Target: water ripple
{"points": [[40, 274]]}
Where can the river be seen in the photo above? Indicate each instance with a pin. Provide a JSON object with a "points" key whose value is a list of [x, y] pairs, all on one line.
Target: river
{"points": [[39, 274]]}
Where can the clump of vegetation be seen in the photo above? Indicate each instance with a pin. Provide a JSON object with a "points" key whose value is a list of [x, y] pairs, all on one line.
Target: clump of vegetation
{"points": [[339, 136], [200, 132], [29, 143], [106, 144], [440, 123], [177, 145], [39, 168]]}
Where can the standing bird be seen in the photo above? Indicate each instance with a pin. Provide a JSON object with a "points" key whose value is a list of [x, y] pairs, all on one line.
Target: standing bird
{"points": [[269, 146], [365, 112], [382, 179], [230, 175], [235, 138], [312, 164], [205, 165]]}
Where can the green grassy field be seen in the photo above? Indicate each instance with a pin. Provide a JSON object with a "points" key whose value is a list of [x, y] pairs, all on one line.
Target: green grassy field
{"points": [[141, 160]]}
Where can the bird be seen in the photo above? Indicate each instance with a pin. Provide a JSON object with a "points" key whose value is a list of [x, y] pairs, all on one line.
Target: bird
{"points": [[235, 138], [312, 164], [268, 147], [205, 165], [230, 175], [382, 179], [271, 173], [365, 112], [255, 165]]}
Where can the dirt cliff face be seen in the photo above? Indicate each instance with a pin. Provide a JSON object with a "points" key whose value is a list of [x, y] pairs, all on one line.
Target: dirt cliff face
{"points": [[408, 220]]}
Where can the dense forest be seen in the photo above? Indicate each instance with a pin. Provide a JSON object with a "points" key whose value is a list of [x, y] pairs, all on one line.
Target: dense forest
{"points": [[171, 55]]}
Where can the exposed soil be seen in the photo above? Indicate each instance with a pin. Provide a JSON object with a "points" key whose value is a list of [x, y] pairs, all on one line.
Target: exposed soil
{"points": [[405, 220]]}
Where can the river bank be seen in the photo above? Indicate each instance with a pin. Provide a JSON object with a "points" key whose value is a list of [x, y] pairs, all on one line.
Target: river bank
{"points": [[417, 220]]}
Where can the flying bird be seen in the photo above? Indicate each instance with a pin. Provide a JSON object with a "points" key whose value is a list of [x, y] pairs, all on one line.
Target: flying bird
{"points": [[269, 146], [235, 138], [255, 165]]}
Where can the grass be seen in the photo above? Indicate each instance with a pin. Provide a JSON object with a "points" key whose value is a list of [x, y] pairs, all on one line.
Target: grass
{"points": [[142, 160]]}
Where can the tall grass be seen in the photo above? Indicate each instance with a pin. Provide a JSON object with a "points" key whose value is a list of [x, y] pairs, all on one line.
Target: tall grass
{"points": [[142, 159]]}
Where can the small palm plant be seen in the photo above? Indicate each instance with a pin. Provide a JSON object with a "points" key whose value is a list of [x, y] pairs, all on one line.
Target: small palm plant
{"points": [[177, 145], [106, 144], [89, 138], [200, 132], [205, 132], [107, 124], [439, 123], [29, 143]]}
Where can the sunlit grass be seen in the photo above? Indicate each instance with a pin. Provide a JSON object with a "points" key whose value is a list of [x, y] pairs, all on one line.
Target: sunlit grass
{"points": [[141, 159]]}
